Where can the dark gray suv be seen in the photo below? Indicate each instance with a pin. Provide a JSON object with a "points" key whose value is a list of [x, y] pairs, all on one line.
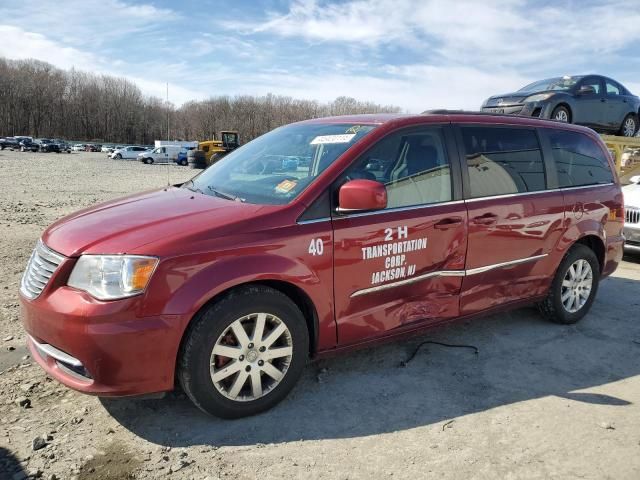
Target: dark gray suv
{"points": [[591, 100]]}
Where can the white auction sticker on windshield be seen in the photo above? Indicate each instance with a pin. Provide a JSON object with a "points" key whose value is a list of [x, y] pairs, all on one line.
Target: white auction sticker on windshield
{"points": [[325, 139]]}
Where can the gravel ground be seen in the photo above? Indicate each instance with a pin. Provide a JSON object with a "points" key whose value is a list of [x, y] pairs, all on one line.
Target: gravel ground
{"points": [[539, 401]]}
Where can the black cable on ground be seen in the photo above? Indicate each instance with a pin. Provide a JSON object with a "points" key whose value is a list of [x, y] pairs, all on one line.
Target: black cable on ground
{"points": [[404, 363]]}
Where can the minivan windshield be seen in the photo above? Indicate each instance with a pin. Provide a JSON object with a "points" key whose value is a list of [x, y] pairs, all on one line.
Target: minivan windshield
{"points": [[275, 168], [559, 83]]}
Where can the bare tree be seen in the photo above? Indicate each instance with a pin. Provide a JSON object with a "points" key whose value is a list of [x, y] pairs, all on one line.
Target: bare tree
{"points": [[40, 100]]}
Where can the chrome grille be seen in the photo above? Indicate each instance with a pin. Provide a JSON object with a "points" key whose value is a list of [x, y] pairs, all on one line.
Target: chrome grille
{"points": [[632, 215], [42, 264]]}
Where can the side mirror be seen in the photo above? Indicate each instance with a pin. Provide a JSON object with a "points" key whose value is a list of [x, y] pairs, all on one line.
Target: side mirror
{"points": [[635, 179], [586, 90], [361, 195]]}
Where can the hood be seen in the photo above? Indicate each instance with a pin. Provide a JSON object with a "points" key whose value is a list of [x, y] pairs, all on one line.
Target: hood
{"points": [[122, 225], [631, 196], [513, 98]]}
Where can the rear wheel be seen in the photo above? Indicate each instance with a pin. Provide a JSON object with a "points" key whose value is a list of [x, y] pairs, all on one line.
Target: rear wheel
{"points": [[629, 126], [243, 354], [574, 287], [561, 114]]}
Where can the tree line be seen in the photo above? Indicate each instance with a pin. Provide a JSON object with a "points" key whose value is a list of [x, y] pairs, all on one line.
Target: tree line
{"points": [[40, 100]]}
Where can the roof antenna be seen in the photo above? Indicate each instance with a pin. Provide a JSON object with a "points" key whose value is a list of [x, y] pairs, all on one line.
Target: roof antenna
{"points": [[168, 138]]}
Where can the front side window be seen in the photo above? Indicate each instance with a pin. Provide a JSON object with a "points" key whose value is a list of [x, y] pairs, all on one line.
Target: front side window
{"points": [[275, 168], [413, 166], [579, 160], [502, 160], [593, 82]]}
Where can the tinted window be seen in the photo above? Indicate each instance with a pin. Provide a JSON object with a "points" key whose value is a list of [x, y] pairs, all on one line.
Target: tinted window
{"points": [[592, 82], [502, 161], [412, 165], [579, 159], [612, 88]]}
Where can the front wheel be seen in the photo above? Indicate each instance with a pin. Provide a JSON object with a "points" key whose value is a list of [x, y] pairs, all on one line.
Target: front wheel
{"points": [[118, 156], [561, 114], [148, 161], [629, 126], [244, 354], [574, 287]]}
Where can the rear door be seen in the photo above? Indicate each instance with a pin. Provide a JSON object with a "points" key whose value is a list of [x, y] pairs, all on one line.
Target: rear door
{"points": [[401, 267], [590, 109], [617, 107], [514, 221]]}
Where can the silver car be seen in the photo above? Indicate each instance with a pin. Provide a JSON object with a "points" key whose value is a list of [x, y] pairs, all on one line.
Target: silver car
{"points": [[632, 215]]}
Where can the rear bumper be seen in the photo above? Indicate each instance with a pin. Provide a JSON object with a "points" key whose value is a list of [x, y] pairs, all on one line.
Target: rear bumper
{"points": [[102, 348]]}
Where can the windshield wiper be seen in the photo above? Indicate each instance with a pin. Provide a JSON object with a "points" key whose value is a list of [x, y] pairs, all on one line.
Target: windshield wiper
{"points": [[194, 189], [227, 196]]}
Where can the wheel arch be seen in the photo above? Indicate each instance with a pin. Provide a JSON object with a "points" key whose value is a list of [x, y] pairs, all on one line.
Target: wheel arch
{"points": [[595, 243]]}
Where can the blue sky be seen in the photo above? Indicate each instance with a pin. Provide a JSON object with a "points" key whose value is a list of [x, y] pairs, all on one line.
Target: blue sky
{"points": [[415, 54]]}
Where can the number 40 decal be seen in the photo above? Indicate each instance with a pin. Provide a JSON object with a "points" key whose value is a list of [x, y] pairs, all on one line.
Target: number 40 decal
{"points": [[316, 247]]}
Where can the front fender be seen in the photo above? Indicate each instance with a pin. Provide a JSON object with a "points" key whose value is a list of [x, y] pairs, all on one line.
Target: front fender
{"points": [[185, 285]]}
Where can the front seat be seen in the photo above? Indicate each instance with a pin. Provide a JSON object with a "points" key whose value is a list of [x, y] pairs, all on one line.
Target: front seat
{"points": [[418, 159]]}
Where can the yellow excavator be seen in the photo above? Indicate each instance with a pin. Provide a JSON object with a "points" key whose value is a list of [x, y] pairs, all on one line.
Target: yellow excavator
{"points": [[214, 149]]}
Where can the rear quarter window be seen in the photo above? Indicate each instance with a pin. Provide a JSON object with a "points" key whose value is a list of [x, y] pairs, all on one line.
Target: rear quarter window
{"points": [[579, 159]]}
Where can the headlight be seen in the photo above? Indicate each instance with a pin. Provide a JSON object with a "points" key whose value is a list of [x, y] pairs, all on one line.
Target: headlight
{"points": [[109, 277], [539, 97]]}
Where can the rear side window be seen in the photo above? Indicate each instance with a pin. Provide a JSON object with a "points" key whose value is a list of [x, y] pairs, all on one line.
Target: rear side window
{"points": [[502, 161], [579, 159]]}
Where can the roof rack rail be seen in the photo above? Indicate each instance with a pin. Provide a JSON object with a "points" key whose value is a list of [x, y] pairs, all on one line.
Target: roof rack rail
{"points": [[444, 111]]}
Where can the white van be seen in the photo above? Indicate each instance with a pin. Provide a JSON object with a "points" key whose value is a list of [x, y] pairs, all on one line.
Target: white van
{"points": [[164, 154]]}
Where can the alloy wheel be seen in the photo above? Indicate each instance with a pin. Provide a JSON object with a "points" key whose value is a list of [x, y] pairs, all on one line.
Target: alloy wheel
{"points": [[251, 357], [629, 127], [576, 286], [561, 115]]}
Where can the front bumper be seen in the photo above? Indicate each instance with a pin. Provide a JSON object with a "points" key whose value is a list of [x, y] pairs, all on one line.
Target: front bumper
{"points": [[101, 348], [632, 237], [530, 109]]}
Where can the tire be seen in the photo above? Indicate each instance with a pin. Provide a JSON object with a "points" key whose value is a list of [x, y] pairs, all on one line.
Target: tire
{"points": [[629, 126], [561, 114], [118, 156], [184, 162], [198, 361], [148, 161], [553, 307]]}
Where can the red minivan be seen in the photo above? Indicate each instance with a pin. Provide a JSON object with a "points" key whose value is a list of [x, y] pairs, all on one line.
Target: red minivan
{"points": [[318, 237]]}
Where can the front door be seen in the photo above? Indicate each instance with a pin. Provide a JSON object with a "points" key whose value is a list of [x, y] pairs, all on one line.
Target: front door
{"points": [[401, 267], [590, 108], [514, 221]]}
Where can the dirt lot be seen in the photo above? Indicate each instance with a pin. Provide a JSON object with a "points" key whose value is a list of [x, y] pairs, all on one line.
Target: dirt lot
{"points": [[539, 401]]}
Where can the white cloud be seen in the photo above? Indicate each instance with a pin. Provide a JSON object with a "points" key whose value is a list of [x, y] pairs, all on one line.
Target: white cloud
{"points": [[20, 44], [502, 32]]}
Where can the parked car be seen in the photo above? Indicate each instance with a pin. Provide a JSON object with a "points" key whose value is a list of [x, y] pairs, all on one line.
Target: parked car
{"points": [[632, 215], [128, 153], [163, 154], [107, 148], [28, 144], [592, 100], [62, 145], [78, 147], [182, 158], [92, 147], [47, 145], [231, 280], [9, 142]]}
